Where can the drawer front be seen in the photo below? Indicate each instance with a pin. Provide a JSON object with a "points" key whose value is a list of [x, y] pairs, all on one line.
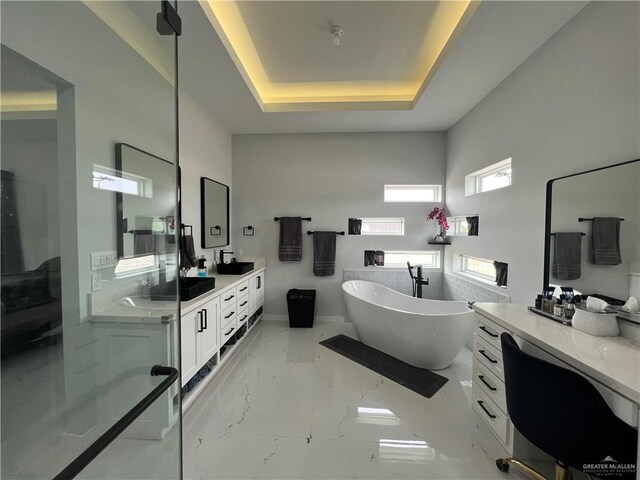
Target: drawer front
{"points": [[242, 317], [228, 298], [227, 316], [242, 303], [489, 356], [495, 418], [490, 384], [489, 331], [243, 288], [228, 331]]}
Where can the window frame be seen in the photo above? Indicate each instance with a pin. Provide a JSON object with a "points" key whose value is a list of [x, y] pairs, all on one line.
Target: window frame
{"points": [[392, 188], [473, 181], [474, 273], [436, 254], [370, 220]]}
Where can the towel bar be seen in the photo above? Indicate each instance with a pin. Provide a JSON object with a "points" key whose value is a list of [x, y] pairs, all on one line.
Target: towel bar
{"points": [[581, 219], [303, 218], [310, 232], [581, 233]]}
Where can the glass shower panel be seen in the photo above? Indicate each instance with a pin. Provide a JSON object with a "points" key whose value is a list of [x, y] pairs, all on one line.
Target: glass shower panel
{"points": [[89, 240]]}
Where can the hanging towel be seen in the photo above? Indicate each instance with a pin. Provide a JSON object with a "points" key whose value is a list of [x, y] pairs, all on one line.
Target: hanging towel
{"points": [[502, 269], [355, 226], [290, 244], [472, 222], [324, 253], [379, 258], [606, 241], [188, 252], [369, 258], [567, 248]]}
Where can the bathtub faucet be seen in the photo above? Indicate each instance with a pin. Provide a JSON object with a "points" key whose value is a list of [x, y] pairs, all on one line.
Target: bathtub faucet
{"points": [[417, 281]]}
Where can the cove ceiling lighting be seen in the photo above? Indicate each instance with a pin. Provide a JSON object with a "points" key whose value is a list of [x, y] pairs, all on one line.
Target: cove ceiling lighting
{"points": [[393, 50]]}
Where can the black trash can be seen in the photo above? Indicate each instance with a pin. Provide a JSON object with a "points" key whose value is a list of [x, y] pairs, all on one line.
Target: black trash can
{"points": [[302, 307]]}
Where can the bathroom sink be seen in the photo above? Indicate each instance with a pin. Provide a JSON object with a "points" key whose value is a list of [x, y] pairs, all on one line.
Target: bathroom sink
{"points": [[235, 268], [190, 288], [147, 303]]}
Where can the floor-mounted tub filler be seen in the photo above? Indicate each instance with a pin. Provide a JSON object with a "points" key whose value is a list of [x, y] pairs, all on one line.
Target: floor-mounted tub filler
{"points": [[424, 333]]}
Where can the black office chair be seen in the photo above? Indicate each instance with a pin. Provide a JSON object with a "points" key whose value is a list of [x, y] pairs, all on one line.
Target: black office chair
{"points": [[562, 413]]}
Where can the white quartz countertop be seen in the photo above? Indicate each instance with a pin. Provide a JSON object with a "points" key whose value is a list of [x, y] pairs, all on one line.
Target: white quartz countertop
{"points": [[612, 361]]}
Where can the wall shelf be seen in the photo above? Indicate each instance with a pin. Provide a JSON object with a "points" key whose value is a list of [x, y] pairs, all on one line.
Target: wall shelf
{"points": [[439, 243]]}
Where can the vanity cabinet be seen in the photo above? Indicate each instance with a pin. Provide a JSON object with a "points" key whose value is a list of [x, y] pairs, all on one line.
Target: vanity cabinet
{"points": [[216, 320]]}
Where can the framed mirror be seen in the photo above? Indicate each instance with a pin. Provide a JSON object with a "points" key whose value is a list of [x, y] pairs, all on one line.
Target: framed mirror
{"points": [[145, 187], [214, 212], [601, 257]]}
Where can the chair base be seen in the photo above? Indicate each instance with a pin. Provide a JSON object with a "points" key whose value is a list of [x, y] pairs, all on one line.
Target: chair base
{"points": [[562, 472]]}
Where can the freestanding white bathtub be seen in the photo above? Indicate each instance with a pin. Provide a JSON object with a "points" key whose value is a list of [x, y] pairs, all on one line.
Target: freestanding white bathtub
{"points": [[424, 333]]}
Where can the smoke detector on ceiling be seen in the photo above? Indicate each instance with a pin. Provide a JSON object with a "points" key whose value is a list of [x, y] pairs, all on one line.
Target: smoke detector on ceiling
{"points": [[337, 33]]}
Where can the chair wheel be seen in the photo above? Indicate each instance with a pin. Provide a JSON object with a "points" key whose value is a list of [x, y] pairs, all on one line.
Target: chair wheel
{"points": [[502, 465]]}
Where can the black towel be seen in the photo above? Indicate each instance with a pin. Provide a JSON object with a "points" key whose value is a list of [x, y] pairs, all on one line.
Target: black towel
{"points": [[502, 271], [188, 254], [355, 226], [567, 255], [324, 253], [290, 244], [606, 241]]}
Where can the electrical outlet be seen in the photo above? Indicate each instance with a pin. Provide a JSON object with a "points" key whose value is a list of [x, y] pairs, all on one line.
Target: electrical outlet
{"points": [[102, 260], [239, 252], [96, 281]]}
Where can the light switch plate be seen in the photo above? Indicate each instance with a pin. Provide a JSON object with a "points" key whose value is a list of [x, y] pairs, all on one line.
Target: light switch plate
{"points": [[102, 260]]}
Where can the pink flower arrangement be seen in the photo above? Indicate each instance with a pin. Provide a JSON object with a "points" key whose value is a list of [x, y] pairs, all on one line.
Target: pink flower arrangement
{"points": [[438, 214]]}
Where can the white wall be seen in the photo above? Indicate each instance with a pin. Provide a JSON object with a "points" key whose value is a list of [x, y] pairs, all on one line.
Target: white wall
{"points": [[329, 177], [573, 105], [205, 151]]}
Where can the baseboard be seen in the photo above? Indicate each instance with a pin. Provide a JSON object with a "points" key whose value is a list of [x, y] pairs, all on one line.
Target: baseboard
{"points": [[271, 317]]}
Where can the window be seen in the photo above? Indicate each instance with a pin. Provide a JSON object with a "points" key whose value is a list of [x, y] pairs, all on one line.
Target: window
{"points": [[105, 178], [458, 227], [428, 259], [479, 267], [412, 193], [382, 226], [127, 266], [493, 177]]}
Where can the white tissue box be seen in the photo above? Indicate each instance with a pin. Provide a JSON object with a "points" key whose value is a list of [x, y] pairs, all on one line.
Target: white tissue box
{"points": [[595, 323]]}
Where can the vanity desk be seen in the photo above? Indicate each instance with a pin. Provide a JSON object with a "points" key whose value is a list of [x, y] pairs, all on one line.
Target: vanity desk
{"points": [[611, 364]]}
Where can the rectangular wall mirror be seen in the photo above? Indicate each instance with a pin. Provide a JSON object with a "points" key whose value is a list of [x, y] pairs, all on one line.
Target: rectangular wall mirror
{"points": [[572, 203], [214, 212], [145, 187]]}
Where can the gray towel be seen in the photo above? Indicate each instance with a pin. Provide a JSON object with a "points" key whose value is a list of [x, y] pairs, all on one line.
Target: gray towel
{"points": [[188, 256], [606, 241], [290, 244], [324, 253], [567, 249]]}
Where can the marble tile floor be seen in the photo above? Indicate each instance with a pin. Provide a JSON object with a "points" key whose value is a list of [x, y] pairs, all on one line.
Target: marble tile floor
{"points": [[288, 408]]}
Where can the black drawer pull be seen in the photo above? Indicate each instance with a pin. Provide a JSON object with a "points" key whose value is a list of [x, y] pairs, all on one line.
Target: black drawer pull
{"points": [[201, 326], [487, 356], [242, 319], [227, 299], [206, 323], [243, 289], [492, 388], [488, 332], [230, 315], [229, 332], [244, 303], [481, 403]]}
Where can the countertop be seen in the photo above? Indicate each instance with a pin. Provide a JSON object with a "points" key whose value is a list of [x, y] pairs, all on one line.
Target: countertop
{"points": [[612, 361]]}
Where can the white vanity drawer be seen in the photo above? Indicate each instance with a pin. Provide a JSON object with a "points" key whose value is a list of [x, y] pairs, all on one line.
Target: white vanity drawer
{"points": [[490, 384], [489, 356], [227, 332], [242, 317], [228, 298], [489, 331], [243, 288], [227, 316], [243, 303], [495, 418]]}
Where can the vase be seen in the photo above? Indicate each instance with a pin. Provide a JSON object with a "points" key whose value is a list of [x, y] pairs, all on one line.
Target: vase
{"points": [[441, 237]]}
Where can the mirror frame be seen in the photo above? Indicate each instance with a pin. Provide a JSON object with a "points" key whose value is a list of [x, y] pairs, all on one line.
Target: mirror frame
{"points": [[203, 235], [547, 220], [120, 200]]}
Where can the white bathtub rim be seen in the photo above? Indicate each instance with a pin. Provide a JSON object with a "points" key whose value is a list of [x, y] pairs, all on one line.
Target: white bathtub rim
{"points": [[410, 312]]}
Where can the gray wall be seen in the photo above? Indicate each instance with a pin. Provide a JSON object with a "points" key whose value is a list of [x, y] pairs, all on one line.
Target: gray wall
{"points": [[329, 177], [573, 105]]}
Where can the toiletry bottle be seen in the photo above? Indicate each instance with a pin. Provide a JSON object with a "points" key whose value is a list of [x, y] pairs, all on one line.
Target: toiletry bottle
{"points": [[202, 267], [538, 302], [558, 309], [146, 288]]}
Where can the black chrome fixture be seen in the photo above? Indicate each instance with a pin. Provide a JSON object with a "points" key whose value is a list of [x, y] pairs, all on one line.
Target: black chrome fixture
{"points": [[417, 281], [222, 252], [582, 219], [75, 467], [215, 230], [168, 22], [248, 231], [308, 219], [582, 234]]}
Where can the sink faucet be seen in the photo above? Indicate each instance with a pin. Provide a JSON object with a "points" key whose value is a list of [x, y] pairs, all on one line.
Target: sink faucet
{"points": [[222, 252]]}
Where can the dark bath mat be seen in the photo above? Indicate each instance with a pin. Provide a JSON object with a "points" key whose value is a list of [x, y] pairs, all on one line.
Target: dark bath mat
{"points": [[421, 381]]}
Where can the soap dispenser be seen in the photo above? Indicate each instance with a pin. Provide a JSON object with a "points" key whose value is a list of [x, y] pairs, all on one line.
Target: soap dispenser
{"points": [[202, 266]]}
